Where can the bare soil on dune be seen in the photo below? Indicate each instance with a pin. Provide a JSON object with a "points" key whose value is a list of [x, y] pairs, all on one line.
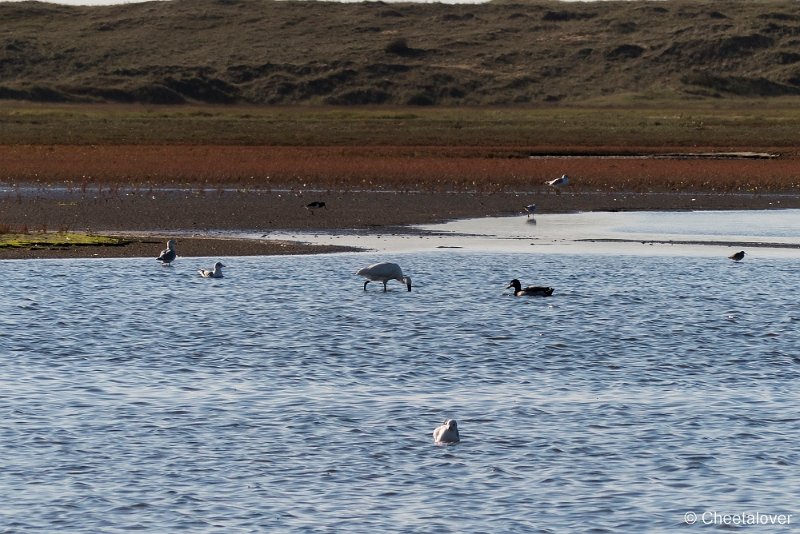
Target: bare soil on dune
{"points": [[195, 193]]}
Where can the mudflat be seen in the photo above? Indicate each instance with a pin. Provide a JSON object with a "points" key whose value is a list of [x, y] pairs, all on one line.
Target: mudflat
{"points": [[152, 193], [206, 175]]}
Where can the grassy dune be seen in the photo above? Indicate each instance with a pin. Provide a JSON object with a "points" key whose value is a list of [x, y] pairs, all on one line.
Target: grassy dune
{"points": [[500, 53]]}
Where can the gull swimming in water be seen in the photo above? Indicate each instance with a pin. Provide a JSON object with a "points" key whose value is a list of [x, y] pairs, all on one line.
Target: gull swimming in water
{"points": [[168, 255], [739, 256], [383, 272], [214, 273], [447, 432], [530, 291]]}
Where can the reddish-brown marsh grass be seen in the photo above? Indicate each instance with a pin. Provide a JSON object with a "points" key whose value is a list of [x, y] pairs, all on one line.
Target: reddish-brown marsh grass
{"points": [[403, 168]]}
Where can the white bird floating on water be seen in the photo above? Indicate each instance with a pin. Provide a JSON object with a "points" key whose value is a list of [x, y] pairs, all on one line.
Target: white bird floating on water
{"points": [[383, 272], [168, 255], [530, 291], [216, 272], [447, 432], [558, 183]]}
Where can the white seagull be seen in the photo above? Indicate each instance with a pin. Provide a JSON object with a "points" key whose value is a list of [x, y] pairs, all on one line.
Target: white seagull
{"points": [[558, 183], [215, 273], [447, 433], [168, 255], [383, 272]]}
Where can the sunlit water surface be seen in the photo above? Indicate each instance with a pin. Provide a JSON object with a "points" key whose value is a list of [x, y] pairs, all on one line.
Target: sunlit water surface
{"points": [[284, 397], [700, 233]]}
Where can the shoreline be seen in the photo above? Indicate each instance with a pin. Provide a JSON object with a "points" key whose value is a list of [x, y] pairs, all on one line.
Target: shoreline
{"points": [[147, 220], [204, 195]]}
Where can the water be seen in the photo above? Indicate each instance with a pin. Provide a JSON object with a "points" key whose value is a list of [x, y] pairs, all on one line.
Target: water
{"points": [[698, 228], [775, 233], [284, 398]]}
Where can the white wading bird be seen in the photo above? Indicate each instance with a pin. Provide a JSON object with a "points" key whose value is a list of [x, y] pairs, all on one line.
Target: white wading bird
{"points": [[383, 272], [168, 255], [530, 291], [447, 433], [215, 273]]}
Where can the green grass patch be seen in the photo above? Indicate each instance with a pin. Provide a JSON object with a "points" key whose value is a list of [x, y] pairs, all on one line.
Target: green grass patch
{"points": [[58, 240], [775, 123]]}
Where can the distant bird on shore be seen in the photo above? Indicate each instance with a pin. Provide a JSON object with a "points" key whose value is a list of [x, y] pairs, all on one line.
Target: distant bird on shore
{"points": [[530, 209], [739, 256], [558, 183], [168, 255], [312, 206], [216, 272], [530, 291], [383, 272], [447, 432]]}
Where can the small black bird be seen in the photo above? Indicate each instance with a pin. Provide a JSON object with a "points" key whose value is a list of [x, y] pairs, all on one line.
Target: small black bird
{"points": [[739, 256], [315, 205]]}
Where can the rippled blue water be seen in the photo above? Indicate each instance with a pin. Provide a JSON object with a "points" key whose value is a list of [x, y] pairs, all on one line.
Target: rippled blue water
{"points": [[285, 398]]}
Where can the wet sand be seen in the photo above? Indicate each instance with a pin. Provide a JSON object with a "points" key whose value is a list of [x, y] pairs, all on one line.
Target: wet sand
{"points": [[198, 219]]}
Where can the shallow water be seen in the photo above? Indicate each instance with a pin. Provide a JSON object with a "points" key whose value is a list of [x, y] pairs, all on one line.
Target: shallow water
{"points": [[285, 398], [764, 233]]}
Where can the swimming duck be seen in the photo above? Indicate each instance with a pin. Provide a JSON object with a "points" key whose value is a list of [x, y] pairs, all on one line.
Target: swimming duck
{"points": [[215, 273], [447, 432], [530, 291]]}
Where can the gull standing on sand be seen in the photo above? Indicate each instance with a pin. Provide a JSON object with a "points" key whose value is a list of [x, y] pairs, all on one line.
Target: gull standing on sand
{"points": [[739, 256], [216, 272], [558, 183], [383, 272], [447, 432], [168, 255], [530, 209]]}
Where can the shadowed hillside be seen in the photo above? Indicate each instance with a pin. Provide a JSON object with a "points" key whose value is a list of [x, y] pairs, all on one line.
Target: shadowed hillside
{"points": [[502, 53]]}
